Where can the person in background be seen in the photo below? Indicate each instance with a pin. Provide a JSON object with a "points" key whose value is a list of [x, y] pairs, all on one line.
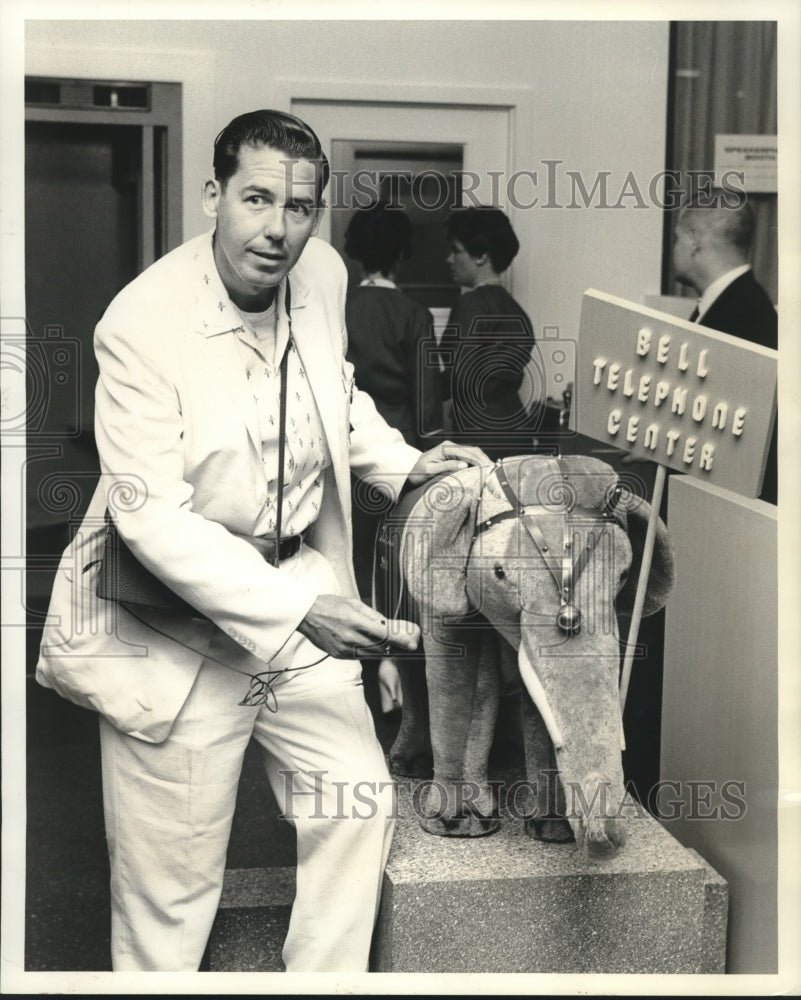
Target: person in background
{"points": [[390, 341], [388, 330], [487, 343], [711, 253], [486, 349]]}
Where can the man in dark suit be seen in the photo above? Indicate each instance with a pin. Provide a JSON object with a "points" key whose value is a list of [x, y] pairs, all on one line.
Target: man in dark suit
{"points": [[744, 310], [711, 253]]}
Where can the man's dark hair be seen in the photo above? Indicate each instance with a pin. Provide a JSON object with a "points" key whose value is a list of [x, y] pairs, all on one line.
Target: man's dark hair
{"points": [[378, 237], [484, 230], [283, 132]]}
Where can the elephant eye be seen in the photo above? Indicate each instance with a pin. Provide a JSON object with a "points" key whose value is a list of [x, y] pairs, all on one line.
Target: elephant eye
{"points": [[499, 572]]}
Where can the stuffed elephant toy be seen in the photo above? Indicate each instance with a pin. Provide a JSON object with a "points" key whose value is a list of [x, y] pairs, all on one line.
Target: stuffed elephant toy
{"points": [[517, 573]]}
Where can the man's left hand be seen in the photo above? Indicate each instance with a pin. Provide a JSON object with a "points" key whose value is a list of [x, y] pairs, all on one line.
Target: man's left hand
{"points": [[446, 457]]}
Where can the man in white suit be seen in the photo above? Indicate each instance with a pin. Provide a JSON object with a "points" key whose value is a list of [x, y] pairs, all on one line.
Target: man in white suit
{"points": [[187, 425]]}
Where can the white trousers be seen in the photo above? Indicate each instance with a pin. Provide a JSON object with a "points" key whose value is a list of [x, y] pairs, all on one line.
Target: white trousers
{"points": [[169, 809]]}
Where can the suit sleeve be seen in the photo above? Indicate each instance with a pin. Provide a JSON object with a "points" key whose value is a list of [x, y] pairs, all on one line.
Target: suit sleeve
{"points": [[377, 452]]}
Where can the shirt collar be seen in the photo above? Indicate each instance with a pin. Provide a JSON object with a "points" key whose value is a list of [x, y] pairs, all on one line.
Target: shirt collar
{"points": [[718, 286], [378, 283], [216, 313]]}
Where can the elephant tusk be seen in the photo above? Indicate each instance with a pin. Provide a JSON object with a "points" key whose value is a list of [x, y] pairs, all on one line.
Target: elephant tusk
{"points": [[538, 696]]}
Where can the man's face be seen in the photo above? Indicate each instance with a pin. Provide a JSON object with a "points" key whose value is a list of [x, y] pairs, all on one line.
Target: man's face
{"points": [[265, 214], [463, 267], [684, 242]]}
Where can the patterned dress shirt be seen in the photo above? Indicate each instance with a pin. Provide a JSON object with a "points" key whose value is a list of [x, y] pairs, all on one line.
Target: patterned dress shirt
{"points": [[306, 454]]}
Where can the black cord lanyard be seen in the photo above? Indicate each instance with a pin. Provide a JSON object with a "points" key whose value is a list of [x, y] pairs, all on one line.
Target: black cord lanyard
{"points": [[261, 691], [282, 426]]}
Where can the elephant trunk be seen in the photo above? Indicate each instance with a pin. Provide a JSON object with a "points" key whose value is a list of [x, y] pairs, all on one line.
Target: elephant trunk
{"points": [[573, 684], [594, 816]]}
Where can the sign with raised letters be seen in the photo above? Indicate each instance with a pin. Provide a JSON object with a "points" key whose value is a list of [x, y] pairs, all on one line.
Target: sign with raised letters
{"points": [[674, 392]]}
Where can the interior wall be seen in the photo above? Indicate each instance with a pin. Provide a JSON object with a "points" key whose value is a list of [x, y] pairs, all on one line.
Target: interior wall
{"points": [[720, 713], [593, 102]]}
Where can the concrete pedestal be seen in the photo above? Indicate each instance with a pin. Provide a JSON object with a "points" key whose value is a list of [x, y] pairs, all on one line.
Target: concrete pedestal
{"points": [[506, 903]]}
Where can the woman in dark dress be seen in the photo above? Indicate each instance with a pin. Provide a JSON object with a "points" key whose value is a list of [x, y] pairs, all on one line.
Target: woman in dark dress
{"points": [[388, 332], [392, 348], [486, 346]]}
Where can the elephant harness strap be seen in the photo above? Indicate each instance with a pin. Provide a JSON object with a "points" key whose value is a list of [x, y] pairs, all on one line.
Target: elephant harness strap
{"points": [[564, 568]]}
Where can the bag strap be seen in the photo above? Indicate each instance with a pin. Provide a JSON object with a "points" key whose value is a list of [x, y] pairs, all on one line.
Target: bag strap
{"points": [[282, 428]]}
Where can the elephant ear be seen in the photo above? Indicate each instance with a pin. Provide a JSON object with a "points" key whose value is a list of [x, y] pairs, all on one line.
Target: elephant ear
{"points": [[582, 480], [436, 541], [662, 575]]}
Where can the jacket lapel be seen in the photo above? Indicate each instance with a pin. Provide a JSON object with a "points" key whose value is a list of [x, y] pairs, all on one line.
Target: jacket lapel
{"points": [[220, 324], [310, 331]]}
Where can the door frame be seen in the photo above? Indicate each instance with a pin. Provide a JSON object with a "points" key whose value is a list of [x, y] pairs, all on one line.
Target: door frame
{"points": [[161, 204], [517, 102], [289, 89]]}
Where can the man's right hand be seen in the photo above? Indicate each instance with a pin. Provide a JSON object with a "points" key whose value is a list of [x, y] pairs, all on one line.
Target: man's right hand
{"points": [[345, 628]]}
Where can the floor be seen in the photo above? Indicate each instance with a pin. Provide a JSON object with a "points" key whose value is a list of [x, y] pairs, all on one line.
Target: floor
{"points": [[67, 895]]}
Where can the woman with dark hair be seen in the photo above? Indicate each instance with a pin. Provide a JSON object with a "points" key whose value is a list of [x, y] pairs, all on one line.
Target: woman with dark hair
{"points": [[388, 334], [488, 341], [388, 331]]}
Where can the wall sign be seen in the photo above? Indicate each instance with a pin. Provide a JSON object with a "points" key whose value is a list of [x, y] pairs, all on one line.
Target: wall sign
{"points": [[752, 156]]}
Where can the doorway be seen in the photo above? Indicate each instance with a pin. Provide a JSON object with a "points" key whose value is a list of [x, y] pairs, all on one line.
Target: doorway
{"points": [[458, 149], [424, 179], [102, 201]]}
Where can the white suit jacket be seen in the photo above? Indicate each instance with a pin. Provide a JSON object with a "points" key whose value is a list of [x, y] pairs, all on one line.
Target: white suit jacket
{"points": [[181, 464]]}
